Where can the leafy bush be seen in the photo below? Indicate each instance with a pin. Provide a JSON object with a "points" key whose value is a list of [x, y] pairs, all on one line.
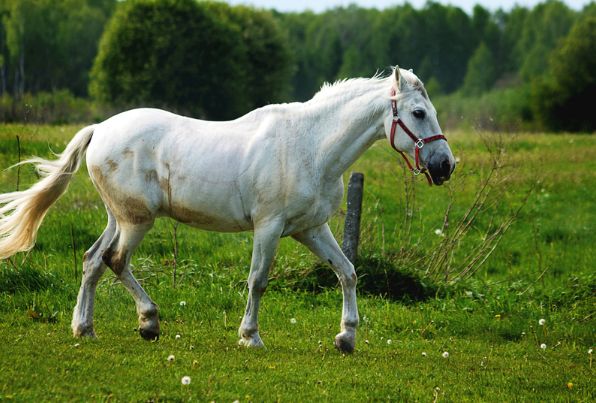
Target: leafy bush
{"points": [[206, 59]]}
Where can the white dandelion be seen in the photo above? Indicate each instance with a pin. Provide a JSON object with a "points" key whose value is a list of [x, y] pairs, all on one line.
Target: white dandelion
{"points": [[389, 341], [424, 353], [171, 358], [590, 351], [185, 380], [439, 232], [178, 337], [541, 322], [293, 321], [182, 303], [445, 354], [543, 346]]}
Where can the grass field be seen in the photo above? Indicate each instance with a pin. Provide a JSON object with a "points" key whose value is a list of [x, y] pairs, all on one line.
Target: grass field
{"points": [[542, 268]]}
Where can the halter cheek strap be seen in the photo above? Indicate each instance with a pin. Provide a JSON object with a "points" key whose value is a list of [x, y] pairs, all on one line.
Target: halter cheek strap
{"points": [[418, 142]]}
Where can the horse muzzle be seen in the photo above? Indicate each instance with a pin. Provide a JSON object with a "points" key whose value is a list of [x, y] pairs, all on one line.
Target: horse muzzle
{"points": [[440, 168]]}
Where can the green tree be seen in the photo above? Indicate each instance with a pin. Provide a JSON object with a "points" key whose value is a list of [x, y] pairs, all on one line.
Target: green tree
{"points": [[564, 98], [481, 71], [194, 57], [543, 27], [436, 41], [49, 44], [511, 27], [303, 69], [267, 54]]}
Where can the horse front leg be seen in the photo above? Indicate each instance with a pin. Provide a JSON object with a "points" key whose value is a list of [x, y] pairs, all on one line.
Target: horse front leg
{"points": [[321, 242], [266, 239]]}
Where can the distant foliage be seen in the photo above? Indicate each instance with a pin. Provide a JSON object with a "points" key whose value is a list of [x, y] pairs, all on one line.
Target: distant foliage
{"points": [[492, 70], [47, 45], [481, 71], [564, 99], [56, 107], [206, 59], [506, 109], [542, 29], [267, 71]]}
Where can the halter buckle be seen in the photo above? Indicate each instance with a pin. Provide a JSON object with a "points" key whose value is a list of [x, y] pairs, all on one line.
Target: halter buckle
{"points": [[419, 143]]}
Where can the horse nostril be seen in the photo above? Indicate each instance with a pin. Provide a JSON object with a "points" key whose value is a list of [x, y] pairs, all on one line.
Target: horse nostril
{"points": [[446, 168], [440, 168]]}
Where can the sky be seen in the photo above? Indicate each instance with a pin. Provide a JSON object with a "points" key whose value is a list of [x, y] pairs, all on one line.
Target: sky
{"points": [[466, 5]]}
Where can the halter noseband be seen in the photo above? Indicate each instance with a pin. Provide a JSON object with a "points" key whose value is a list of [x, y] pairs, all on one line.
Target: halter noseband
{"points": [[418, 142]]}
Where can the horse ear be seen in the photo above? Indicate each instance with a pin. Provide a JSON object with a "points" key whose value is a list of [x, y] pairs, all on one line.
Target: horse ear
{"points": [[398, 80]]}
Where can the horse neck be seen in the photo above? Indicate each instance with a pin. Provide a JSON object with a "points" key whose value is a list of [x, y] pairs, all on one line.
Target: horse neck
{"points": [[350, 125]]}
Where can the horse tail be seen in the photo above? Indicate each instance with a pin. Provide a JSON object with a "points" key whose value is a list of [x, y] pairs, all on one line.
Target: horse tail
{"points": [[22, 212]]}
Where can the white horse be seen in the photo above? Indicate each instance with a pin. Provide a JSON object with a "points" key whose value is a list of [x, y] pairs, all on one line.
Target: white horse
{"points": [[276, 171]]}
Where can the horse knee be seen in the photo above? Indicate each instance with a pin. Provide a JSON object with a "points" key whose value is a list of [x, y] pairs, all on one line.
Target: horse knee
{"points": [[92, 273], [348, 278], [258, 284]]}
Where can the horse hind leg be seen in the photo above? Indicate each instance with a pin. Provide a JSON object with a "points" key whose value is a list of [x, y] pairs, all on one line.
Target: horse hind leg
{"points": [[117, 257], [93, 269]]}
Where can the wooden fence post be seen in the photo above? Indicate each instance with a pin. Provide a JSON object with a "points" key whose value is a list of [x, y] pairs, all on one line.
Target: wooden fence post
{"points": [[352, 223]]}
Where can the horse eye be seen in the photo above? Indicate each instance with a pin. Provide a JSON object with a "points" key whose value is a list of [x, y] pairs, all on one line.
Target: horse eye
{"points": [[419, 114]]}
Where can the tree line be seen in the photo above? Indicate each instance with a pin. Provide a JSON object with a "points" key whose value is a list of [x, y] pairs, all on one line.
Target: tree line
{"points": [[534, 66]]}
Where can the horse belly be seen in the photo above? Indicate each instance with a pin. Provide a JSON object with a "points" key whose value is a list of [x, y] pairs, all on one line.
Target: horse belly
{"points": [[207, 206]]}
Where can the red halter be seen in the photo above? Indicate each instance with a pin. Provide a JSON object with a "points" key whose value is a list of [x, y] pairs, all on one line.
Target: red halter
{"points": [[418, 142]]}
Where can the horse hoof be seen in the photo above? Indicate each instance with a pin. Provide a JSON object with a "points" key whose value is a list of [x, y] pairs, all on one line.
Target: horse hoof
{"points": [[83, 331], [345, 342], [149, 324], [251, 342], [149, 334]]}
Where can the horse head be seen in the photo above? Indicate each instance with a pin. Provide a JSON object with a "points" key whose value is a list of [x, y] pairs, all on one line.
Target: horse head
{"points": [[412, 128]]}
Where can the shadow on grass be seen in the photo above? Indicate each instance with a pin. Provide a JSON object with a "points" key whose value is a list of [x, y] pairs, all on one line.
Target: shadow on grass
{"points": [[376, 276]]}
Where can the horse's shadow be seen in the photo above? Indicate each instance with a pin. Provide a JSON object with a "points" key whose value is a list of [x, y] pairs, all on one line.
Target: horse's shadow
{"points": [[377, 276]]}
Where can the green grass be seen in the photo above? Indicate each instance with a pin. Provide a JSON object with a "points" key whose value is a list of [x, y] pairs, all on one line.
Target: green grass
{"points": [[542, 268]]}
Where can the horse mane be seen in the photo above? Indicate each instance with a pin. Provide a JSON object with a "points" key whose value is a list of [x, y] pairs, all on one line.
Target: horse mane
{"points": [[355, 86], [348, 86]]}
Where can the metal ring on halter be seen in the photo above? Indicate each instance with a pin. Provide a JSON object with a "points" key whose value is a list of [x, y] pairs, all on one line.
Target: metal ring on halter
{"points": [[419, 143], [416, 171]]}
